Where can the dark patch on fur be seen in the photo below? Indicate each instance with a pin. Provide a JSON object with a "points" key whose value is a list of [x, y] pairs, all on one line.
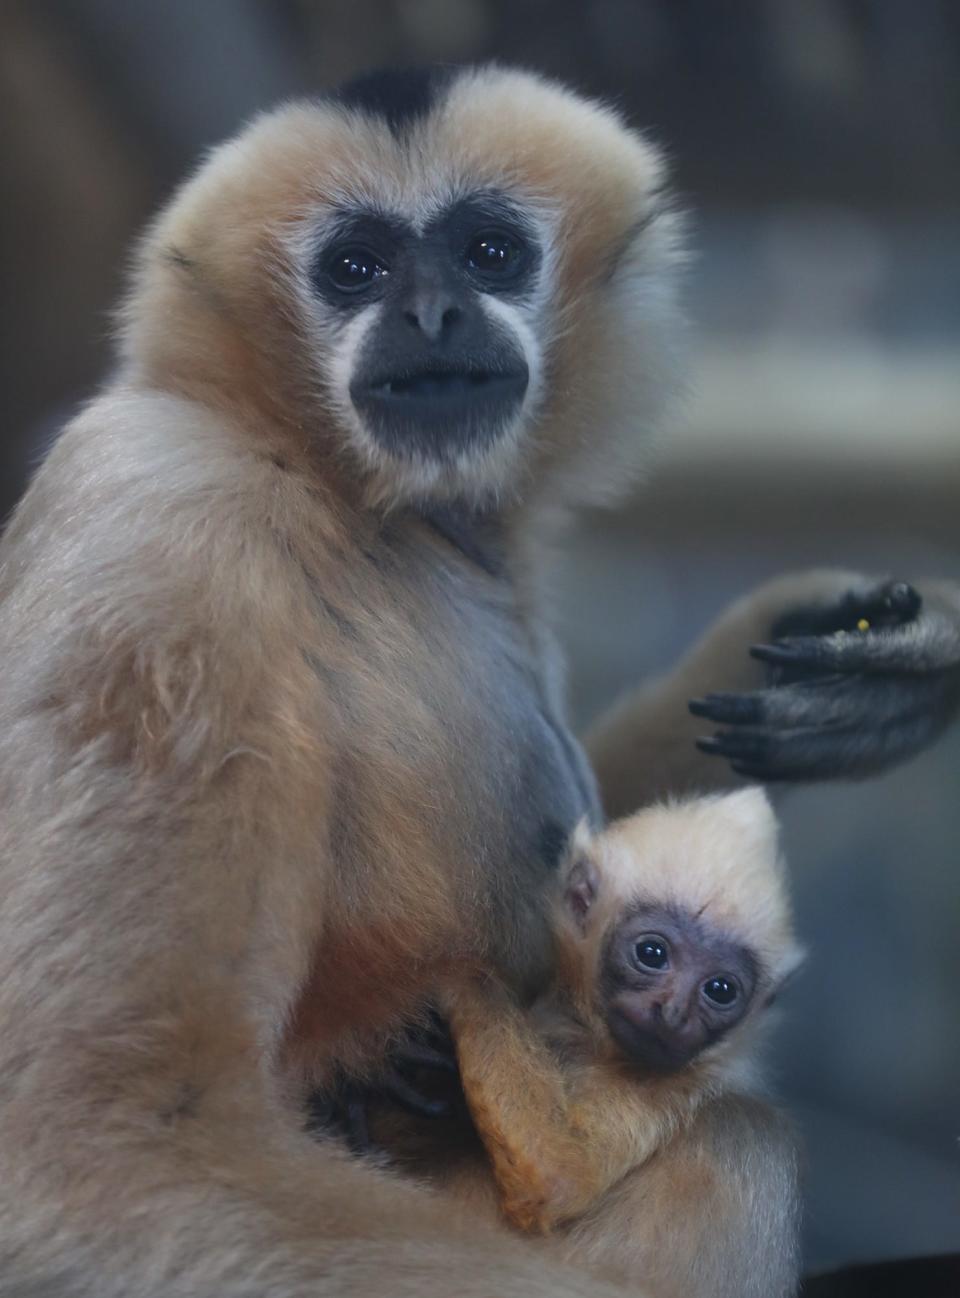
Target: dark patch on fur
{"points": [[579, 767], [553, 842], [339, 688], [340, 620], [400, 96], [176, 258], [184, 1106], [477, 536], [344, 625]]}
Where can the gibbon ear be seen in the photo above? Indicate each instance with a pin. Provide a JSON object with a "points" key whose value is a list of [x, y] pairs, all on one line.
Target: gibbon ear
{"points": [[580, 888]]}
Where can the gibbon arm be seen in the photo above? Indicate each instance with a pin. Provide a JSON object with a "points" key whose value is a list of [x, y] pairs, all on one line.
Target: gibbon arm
{"points": [[713, 1214], [818, 701], [558, 1136]]}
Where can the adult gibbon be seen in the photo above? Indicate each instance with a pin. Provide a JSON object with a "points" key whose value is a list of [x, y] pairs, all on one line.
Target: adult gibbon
{"points": [[282, 739]]}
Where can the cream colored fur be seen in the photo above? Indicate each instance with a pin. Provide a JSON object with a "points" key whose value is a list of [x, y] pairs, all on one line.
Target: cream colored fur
{"points": [[716, 857], [577, 1137]]}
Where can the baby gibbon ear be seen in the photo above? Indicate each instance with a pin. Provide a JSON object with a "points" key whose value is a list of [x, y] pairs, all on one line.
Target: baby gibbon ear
{"points": [[581, 878], [580, 890]]}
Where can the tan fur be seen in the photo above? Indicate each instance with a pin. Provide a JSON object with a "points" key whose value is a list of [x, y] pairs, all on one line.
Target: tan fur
{"points": [[241, 764], [225, 261], [564, 1117], [246, 773], [713, 1214]]}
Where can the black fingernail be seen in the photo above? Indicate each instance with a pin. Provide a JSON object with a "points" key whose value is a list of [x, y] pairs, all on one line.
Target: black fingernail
{"points": [[904, 598], [699, 707], [709, 745]]}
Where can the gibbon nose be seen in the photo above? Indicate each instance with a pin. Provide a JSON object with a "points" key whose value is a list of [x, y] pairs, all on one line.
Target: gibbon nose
{"points": [[674, 1014], [434, 313]]}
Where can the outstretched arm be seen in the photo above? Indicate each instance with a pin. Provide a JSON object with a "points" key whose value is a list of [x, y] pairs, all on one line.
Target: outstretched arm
{"points": [[813, 676], [558, 1135]]}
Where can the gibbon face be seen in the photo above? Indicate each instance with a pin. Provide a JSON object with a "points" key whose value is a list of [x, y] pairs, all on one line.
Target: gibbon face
{"points": [[673, 986], [437, 320], [682, 920], [456, 282]]}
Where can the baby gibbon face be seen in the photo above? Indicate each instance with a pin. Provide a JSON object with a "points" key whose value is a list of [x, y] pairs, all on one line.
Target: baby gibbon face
{"points": [[672, 986], [455, 283], [680, 923]]}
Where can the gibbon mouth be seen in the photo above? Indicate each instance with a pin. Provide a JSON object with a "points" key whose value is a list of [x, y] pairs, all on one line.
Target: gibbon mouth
{"points": [[440, 384], [442, 394], [644, 1047]]}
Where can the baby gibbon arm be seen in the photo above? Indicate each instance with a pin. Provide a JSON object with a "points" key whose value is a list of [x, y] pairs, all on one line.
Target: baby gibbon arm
{"points": [[558, 1136]]}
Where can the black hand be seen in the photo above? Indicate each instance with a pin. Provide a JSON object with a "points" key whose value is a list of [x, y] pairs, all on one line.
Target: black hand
{"points": [[891, 603], [408, 1078], [414, 1066], [843, 701]]}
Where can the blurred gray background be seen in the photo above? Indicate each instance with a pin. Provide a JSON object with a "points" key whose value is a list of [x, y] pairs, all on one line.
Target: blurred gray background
{"points": [[816, 144]]}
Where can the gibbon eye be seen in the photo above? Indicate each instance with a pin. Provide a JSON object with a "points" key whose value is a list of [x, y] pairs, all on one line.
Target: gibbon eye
{"points": [[496, 254], [651, 953], [353, 269], [721, 990]]}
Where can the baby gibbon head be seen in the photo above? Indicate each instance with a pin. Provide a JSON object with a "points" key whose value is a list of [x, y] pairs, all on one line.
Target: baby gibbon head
{"points": [[455, 283], [681, 922]]}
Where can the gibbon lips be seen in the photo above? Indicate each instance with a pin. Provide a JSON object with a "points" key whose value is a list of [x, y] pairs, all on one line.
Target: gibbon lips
{"points": [[644, 1046], [431, 383], [441, 392]]}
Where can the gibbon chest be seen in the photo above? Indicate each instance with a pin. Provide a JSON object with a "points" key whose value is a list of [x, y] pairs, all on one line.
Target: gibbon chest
{"points": [[456, 783]]}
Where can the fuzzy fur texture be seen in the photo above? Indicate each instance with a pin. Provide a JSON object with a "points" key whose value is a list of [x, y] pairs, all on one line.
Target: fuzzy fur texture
{"points": [[253, 715], [715, 857], [570, 1125], [265, 734], [229, 262]]}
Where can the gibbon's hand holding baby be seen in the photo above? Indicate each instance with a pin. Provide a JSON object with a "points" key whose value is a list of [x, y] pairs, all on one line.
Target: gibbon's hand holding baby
{"points": [[672, 934]]}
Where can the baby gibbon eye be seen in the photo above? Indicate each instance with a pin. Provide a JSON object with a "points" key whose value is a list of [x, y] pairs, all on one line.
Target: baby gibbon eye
{"points": [[353, 269], [496, 255], [651, 952], [721, 990]]}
